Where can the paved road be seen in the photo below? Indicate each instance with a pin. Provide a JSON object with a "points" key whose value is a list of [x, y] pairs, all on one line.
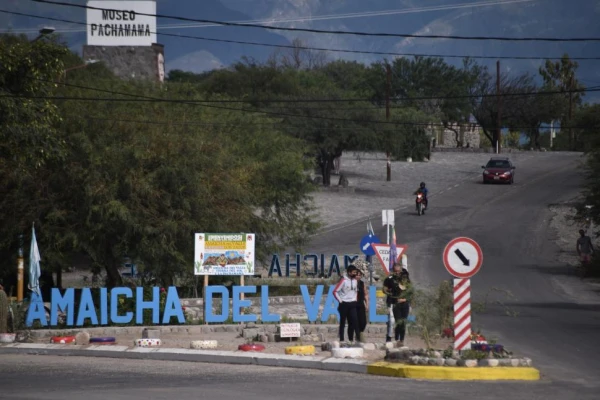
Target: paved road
{"points": [[511, 225], [75, 378]]}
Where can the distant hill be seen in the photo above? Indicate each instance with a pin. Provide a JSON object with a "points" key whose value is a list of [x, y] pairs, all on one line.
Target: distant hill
{"points": [[514, 18]]}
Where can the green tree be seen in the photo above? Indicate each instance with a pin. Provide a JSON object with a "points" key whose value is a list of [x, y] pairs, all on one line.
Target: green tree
{"points": [[561, 76]]}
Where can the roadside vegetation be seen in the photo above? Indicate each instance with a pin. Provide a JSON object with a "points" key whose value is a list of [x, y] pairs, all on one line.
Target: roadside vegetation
{"points": [[108, 168]]}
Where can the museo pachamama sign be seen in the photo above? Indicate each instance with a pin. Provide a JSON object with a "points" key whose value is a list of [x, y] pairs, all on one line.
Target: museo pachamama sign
{"points": [[120, 23]]}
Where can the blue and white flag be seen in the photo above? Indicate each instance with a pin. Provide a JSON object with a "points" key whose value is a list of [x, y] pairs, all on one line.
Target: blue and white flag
{"points": [[34, 265]]}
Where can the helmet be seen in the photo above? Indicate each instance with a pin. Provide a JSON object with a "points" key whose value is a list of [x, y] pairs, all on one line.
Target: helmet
{"points": [[422, 185]]}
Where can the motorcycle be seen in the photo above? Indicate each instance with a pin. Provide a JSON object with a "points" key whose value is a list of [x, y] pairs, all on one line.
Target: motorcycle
{"points": [[420, 204]]}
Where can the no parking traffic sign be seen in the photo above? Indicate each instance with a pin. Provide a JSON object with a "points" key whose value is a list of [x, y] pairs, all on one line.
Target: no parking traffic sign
{"points": [[463, 257]]}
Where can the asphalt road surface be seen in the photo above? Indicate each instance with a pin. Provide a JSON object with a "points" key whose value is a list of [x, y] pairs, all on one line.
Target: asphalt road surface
{"points": [[76, 378], [510, 222]]}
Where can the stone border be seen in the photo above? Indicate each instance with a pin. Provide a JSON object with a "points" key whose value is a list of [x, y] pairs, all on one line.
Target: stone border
{"points": [[406, 356], [453, 374]]}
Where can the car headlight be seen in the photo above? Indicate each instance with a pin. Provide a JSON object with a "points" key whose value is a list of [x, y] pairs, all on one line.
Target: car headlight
{"points": [[506, 173], [486, 172]]}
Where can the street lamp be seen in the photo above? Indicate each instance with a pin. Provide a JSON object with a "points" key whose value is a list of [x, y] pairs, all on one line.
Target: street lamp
{"points": [[47, 30], [85, 64]]}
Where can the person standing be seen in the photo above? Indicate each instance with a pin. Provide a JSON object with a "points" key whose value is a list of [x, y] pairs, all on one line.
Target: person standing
{"points": [[584, 247], [402, 308], [346, 293], [363, 305], [392, 291]]}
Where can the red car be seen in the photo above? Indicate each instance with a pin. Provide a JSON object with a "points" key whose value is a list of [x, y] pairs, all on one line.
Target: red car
{"points": [[499, 169]]}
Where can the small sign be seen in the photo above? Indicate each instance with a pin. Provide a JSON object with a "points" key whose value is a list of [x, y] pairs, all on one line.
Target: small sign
{"points": [[366, 244], [290, 330], [387, 217], [382, 251], [462, 257]]}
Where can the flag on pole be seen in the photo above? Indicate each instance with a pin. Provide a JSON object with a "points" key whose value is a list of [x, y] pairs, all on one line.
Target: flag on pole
{"points": [[34, 265], [370, 230], [393, 251]]}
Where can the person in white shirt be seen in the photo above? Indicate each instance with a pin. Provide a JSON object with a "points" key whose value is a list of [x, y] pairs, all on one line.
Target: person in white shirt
{"points": [[346, 293]]}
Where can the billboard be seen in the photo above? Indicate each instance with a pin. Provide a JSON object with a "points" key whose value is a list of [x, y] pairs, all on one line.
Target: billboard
{"points": [[224, 254], [118, 23]]}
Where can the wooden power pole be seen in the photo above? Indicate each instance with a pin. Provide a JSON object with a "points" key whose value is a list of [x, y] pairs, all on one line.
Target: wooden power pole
{"points": [[388, 88], [498, 120], [571, 135]]}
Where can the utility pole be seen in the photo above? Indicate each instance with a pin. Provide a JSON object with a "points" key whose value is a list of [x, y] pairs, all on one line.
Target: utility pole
{"points": [[387, 115], [498, 121], [20, 271], [571, 136]]}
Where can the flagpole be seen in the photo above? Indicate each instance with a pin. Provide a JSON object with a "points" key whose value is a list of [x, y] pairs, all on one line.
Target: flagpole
{"points": [[20, 269]]}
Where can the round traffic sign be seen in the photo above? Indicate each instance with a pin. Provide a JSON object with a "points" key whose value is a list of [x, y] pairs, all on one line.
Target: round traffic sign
{"points": [[463, 257], [366, 244]]}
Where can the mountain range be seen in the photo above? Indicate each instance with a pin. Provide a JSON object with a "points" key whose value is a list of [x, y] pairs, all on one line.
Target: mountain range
{"points": [[506, 18]]}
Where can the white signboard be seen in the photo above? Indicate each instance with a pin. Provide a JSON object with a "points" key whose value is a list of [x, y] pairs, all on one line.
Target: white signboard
{"points": [[290, 330], [224, 254], [382, 251], [118, 23]]}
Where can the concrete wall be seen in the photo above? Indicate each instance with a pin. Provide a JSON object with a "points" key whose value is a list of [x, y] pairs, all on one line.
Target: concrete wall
{"points": [[468, 134], [130, 62]]}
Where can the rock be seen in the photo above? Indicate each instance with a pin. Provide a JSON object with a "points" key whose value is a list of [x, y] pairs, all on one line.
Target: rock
{"points": [[455, 355], [395, 355], [250, 333], [321, 337], [271, 337], [438, 361], [470, 363], [389, 345], [515, 362], [488, 362], [368, 346], [526, 362], [450, 362], [82, 338], [335, 344], [326, 346], [350, 352], [423, 360], [150, 334], [436, 354], [250, 325], [264, 338], [432, 361], [414, 360], [504, 362]]}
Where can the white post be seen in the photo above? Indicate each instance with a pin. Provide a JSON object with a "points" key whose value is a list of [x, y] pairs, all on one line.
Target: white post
{"points": [[388, 233]]}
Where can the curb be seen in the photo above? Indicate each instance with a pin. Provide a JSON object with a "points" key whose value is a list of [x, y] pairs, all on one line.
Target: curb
{"points": [[191, 355], [453, 373]]}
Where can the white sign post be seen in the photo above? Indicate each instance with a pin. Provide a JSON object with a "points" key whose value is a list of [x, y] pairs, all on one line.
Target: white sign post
{"points": [[387, 218], [462, 258], [119, 23]]}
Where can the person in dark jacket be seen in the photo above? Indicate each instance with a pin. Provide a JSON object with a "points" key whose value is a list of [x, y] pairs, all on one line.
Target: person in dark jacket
{"points": [[363, 304]]}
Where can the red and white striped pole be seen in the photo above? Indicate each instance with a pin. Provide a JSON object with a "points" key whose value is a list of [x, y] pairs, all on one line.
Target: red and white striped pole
{"points": [[462, 314]]}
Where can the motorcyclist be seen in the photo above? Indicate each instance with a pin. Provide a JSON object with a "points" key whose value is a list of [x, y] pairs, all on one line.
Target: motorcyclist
{"points": [[422, 189]]}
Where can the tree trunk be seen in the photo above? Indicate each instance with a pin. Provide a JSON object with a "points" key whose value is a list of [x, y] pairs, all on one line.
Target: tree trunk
{"points": [[326, 164], [113, 278]]}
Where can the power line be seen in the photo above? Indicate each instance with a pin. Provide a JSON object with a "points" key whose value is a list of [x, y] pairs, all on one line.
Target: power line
{"points": [[284, 46], [267, 100], [312, 18], [335, 32]]}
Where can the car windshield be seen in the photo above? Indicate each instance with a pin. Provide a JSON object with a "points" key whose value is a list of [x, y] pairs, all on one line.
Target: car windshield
{"points": [[498, 164]]}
